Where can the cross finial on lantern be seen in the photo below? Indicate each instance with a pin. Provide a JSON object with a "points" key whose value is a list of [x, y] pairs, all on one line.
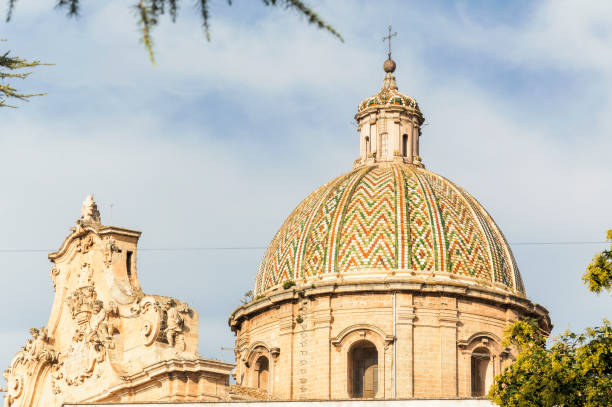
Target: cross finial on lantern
{"points": [[388, 38]]}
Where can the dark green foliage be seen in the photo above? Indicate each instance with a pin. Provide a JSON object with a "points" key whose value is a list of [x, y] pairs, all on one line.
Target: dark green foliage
{"points": [[288, 284], [148, 13], [72, 7]]}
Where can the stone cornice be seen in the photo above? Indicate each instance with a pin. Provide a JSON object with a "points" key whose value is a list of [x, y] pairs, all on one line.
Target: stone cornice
{"points": [[396, 283], [167, 367], [97, 229]]}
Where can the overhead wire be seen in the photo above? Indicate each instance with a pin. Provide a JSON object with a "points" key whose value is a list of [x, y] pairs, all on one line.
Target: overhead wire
{"points": [[238, 248]]}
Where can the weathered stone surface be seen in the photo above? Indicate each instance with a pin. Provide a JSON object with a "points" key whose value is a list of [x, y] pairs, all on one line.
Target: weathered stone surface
{"points": [[344, 403], [106, 340]]}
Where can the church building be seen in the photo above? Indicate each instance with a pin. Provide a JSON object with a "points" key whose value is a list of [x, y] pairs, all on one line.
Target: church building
{"points": [[389, 282]]}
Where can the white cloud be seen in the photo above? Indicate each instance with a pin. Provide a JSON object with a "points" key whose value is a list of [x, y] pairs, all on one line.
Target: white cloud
{"points": [[217, 144]]}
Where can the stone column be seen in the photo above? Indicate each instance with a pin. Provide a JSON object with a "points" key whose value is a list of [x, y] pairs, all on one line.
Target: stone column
{"points": [[410, 147], [373, 135], [396, 137], [415, 140]]}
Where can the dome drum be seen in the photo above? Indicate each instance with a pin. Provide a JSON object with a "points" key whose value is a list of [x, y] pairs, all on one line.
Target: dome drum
{"points": [[429, 330]]}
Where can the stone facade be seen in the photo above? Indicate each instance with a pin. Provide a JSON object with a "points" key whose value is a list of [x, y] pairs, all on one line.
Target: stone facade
{"points": [[425, 333], [344, 403], [106, 340]]}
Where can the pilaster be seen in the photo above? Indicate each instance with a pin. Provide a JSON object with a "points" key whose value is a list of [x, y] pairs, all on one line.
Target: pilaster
{"points": [[405, 346], [448, 319]]}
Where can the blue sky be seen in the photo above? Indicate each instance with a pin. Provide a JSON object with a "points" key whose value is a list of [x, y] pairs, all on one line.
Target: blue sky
{"points": [[216, 144]]}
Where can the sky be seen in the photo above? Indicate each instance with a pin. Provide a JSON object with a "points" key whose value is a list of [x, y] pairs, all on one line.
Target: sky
{"points": [[219, 141]]}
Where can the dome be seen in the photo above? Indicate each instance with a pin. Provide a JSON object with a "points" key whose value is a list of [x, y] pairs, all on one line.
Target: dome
{"points": [[389, 278], [390, 97], [390, 218]]}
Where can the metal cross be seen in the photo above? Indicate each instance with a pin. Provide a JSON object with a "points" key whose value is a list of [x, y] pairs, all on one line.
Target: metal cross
{"points": [[388, 38]]}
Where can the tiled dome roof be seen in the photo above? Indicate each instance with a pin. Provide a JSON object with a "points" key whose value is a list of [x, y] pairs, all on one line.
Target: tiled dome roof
{"points": [[389, 98], [390, 217]]}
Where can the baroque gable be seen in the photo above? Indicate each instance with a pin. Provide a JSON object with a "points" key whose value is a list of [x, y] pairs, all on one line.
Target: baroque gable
{"points": [[103, 330]]}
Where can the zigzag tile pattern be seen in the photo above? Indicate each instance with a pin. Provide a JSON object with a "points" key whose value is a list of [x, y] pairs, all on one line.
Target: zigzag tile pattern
{"points": [[422, 237], [368, 236], [315, 253], [501, 273], [389, 217], [278, 264], [508, 272], [466, 244]]}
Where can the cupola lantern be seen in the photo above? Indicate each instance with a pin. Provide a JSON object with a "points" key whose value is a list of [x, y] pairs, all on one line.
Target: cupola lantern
{"points": [[389, 124]]}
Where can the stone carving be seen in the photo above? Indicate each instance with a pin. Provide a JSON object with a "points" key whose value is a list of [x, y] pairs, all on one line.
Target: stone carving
{"points": [[110, 247], [162, 323], [175, 324], [85, 276], [99, 324], [84, 355], [89, 211], [14, 388], [85, 244], [92, 334], [38, 348], [38, 351], [80, 303], [417, 161], [151, 317], [54, 273]]}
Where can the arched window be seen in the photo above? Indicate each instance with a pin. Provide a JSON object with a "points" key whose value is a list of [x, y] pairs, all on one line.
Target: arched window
{"points": [[261, 373], [405, 145], [363, 370], [481, 371], [367, 146]]}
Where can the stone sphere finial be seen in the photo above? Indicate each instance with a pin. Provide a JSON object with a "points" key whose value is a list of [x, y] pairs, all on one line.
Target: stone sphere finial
{"points": [[389, 66]]}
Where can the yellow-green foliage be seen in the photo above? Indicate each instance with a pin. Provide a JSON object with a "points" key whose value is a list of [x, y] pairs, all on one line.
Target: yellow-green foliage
{"points": [[598, 275], [575, 370], [11, 68]]}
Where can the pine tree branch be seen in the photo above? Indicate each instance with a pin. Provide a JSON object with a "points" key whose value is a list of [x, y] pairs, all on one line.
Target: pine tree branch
{"points": [[146, 21], [313, 18], [11, 64], [9, 12], [205, 15], [71, 5], [148, 13]]}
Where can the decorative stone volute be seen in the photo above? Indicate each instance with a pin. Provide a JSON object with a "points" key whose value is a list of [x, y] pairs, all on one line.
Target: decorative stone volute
{"points": [[389, 125]]}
